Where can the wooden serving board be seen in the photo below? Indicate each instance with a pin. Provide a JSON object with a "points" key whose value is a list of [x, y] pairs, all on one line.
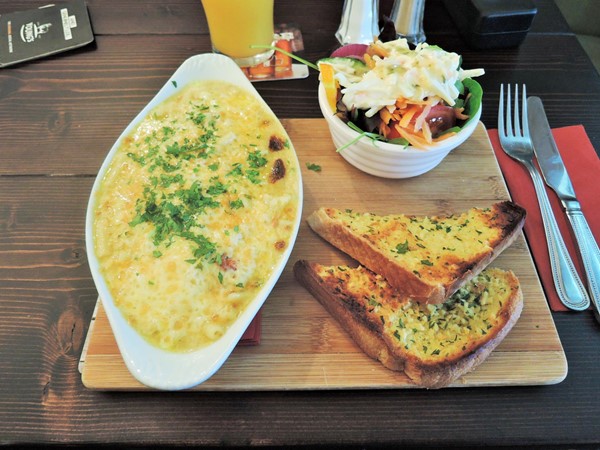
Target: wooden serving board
{"points": [[302, 347]]}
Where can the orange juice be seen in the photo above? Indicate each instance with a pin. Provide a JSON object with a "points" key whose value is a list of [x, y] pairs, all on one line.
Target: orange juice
{"points": [[235, 25]]}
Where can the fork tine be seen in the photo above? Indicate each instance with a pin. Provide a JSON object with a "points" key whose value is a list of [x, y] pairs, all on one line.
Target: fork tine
{"points": [[517, 119], [509, 129], [524, 109], [501, 129]]}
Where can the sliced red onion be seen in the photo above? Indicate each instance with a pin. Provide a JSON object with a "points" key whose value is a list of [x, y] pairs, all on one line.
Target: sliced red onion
{"points": [[355, 51]]}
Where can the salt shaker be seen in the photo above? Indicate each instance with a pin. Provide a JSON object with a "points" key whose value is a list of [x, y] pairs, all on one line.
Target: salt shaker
{"points": [[359, 23], [407, 16]]}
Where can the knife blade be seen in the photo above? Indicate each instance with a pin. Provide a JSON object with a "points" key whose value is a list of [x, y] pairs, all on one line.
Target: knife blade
{"points": [[556, 176]]}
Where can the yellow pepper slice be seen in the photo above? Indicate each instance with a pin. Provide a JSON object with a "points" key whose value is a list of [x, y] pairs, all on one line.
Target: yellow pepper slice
{"points": [[329, 83]]}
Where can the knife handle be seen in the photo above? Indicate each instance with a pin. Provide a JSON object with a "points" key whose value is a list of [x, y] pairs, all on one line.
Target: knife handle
{"points": [[588, 249], [569, 287]]}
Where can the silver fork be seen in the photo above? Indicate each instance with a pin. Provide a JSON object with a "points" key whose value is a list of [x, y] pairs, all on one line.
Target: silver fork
{"points": [[517, 144]]}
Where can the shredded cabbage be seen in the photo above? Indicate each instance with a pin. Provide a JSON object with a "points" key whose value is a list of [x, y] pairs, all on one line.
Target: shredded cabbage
{"points": [[426, 75]]}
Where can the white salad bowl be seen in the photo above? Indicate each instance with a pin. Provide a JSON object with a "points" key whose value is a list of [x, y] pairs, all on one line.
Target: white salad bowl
{"points": [[387, 160], [151, 365]]}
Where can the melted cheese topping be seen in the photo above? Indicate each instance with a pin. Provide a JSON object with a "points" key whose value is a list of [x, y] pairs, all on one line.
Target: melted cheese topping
{"points": [[195, 212]]}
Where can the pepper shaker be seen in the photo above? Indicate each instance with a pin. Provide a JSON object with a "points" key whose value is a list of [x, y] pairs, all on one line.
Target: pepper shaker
{"points": [[359, 23], [407, 16]]}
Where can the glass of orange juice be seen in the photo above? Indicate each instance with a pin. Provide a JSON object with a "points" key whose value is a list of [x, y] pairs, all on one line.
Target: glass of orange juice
{"points": [[236, 25]]}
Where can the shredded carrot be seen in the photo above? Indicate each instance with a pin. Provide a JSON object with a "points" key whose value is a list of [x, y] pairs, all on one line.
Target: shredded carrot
{"points": [[458, 113], [397, 115], [369, 61], [384, 130], [409, 114], [445, 136], [376, 49], [413, 139], [385, 115], [401, 103], [410, 122]]}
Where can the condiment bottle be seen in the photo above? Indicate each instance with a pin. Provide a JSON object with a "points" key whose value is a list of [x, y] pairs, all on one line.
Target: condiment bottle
{"points": [[407, 16], [359, 23]]}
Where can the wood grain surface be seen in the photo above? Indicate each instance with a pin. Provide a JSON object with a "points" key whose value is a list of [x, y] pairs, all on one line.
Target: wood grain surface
{"points": [[302, 347]]}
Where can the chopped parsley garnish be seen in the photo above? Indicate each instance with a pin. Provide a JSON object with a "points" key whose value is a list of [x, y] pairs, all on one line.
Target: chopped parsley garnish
{"points": [[236, 170], [166, 180], [253, 175], [313, 167], [216, 189], [173, 205], [198, 114], [167, 203], [256, 160], [402, 248], [236, 204]]}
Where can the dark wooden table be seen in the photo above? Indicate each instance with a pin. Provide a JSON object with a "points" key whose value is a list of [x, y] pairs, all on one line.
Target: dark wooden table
{"points": [[58, 118]]}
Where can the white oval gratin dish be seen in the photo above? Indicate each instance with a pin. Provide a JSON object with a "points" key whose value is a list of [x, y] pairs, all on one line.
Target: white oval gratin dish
{"points": [[150, 365]]}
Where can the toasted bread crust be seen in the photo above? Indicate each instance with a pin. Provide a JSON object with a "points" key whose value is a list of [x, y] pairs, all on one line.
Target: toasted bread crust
{"points": [[505, 219], [348, 307], [364, 252], [351, 318]]}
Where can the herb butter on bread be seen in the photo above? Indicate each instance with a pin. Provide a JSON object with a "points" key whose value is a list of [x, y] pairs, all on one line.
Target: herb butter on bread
{"points": [[434, 344], [424, 258]]}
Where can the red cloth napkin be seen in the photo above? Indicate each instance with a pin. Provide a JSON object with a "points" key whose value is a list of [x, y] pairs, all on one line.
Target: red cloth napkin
{"points": [[252, 334], [583, 166]]}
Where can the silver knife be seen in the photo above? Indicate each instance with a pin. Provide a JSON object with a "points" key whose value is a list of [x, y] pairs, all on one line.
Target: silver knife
{"points": [[556, 176]]}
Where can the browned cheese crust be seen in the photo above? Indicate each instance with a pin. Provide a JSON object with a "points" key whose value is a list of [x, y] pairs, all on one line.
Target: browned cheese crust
{"points": [[371, 311], [373, 241]]}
